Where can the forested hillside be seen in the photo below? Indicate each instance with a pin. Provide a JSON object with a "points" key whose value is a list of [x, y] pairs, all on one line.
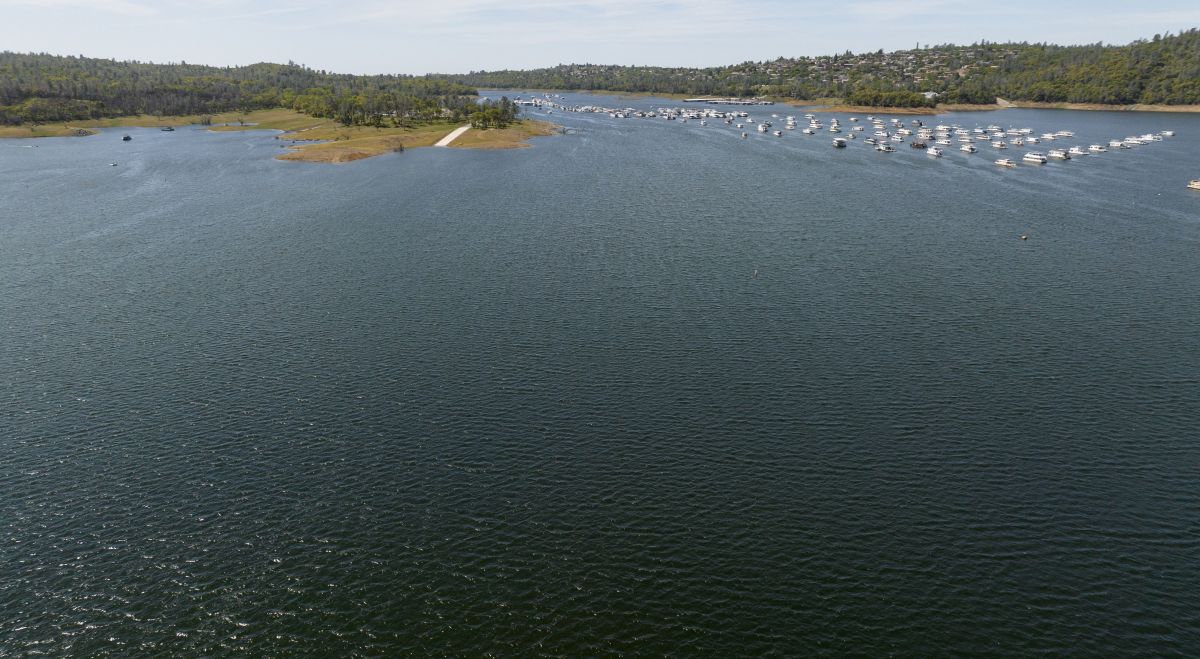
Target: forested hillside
{"points": [[44, 88], [1164, 70]]}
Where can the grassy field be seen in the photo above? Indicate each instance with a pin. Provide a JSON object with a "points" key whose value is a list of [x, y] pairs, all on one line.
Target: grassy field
{"points": [[514, 137], [338, 144], [279, 119], [860, 109]]}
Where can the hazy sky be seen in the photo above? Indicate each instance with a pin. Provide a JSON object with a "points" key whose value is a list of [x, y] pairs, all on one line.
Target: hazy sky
{"points": [[402, 36]]}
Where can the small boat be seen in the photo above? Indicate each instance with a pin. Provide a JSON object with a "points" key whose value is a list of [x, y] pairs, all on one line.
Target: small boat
{"points": [[1194, 185], [1168, 133], [744, 136], [885, 148], [968, 148], [839, 142], [1077, 151], [1035, 158], [1097, 148], [934, 153], [112, 164], [126, 138], [918, 145], [778, 133], [1058, 153], [168, 129], [809, 131], [1005, 162]]}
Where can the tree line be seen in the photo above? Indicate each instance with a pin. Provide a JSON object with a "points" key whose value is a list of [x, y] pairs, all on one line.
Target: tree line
{"points": [[1161, 70], [40, 88]]}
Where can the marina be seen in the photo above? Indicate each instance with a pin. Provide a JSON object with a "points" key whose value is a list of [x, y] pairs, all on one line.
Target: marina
{"points": [[886, 131]]}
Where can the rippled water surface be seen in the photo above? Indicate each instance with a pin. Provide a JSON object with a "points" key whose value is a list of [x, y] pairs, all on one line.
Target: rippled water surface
{"points": [[644, 388]]}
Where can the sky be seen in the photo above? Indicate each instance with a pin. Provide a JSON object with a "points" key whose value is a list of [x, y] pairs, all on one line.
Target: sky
{"points": [[457, 36]]}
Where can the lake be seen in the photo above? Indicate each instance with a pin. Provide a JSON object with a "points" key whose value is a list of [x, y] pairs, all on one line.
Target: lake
{"points": [[645, 388]]}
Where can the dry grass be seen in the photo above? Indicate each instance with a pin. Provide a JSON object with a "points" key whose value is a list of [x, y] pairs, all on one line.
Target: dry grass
{"points": [[278, 119], [1109, 108], [45, 130], [347, 144], [516, 136], [969, 107], [860, 109]]}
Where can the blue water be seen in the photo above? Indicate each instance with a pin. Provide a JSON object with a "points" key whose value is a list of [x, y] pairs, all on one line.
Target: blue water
{"points": [[538, 402]]}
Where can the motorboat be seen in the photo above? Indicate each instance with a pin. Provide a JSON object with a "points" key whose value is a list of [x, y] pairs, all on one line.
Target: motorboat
{"points": [[1035, 157]]}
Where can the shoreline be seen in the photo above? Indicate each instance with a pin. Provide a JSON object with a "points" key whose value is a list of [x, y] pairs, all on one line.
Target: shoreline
{"points": [[313, 139], [836, 104]]}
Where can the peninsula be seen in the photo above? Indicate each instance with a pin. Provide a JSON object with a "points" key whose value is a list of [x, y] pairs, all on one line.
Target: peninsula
{"points": [[322, 117]]}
